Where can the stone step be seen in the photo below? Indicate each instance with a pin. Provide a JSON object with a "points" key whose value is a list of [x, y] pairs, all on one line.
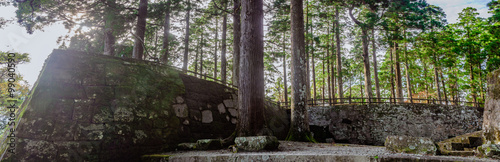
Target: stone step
{"points": [[462, 145], [458, 153]]}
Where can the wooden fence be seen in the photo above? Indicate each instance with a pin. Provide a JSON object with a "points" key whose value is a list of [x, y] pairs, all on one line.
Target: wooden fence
{"points": [[364, 100]]}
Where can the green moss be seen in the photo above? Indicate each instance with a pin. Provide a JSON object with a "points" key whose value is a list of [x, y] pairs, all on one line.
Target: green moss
{"points": [[157, 156], [300, 136]]}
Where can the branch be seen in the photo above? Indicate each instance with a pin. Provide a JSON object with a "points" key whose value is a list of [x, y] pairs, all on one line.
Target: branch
{"points": [[352, 17], [128, 8], [223, 10]]}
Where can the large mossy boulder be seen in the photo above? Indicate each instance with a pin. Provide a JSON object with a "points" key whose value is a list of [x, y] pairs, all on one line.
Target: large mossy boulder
{"points": [[256, 143], [412, 145]]}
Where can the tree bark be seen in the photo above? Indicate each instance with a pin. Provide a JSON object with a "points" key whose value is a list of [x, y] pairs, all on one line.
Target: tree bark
{"points": [[313, 65], [299, 126], [251, 83], [444, 89], [408, 79], [339, 55], [196, 58], [216, 45], [472, 91], [330, 75], [236, 41], [393, 95], [284, 71], [399, 82], [186, 39], [368, 81], [109, 23], [201, 54], [323, 79], [436, 80], [308, 81], [375, 69], [166, 32], [138, 51], [223, 62]]}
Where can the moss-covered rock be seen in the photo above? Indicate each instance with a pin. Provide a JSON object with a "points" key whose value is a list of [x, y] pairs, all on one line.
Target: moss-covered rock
{"points": [[209, 144], [412, 145], [256, 143], [489, 150]]}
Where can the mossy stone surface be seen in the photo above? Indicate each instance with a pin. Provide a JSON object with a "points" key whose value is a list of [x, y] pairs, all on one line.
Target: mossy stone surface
{"points": [[256, 143], [412, 145]]}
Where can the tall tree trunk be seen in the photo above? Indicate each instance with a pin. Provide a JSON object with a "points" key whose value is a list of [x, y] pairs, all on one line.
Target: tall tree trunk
{"points": [[375, 69], [109, 23], [166, 32], [284, 71], [368, 81], [236, 41], [339, 55], [251, 83], [308, 79], [425, 76], [399, 82], [196, 58], [393, 95], [472, 91], [138, 51], [436, 80], [444, 89], [216, 45], [299, 126], [313, 65], [333, 76], [323, 79], [201, 54], [186, 39], [329, 76], [481, 82], [408, 80], [223, 62]]}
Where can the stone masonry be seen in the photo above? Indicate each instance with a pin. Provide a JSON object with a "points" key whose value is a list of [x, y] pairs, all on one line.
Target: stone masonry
{"points": [[88, 107], [371, 124]]}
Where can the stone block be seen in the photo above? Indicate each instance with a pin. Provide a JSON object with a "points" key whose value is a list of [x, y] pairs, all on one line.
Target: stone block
{"points": [[123, 114], [221, 108], [256, 143], [82, 111], [206, 116], [102, 114], [181, 110], [230, 103], [179, 99], [209, 144], [412, 145], [187, 146], [233, 112]]}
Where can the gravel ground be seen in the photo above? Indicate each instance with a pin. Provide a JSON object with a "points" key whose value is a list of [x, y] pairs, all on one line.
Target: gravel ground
{"points": [[288, 148]]}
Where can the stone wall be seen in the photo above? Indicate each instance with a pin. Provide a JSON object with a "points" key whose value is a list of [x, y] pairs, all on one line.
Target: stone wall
{"points": [[370, 124], [491, 124], [87, 107]]}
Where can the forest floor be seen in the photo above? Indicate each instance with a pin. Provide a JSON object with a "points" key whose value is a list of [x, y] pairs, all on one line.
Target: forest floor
{"points": [[303, 151]]}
